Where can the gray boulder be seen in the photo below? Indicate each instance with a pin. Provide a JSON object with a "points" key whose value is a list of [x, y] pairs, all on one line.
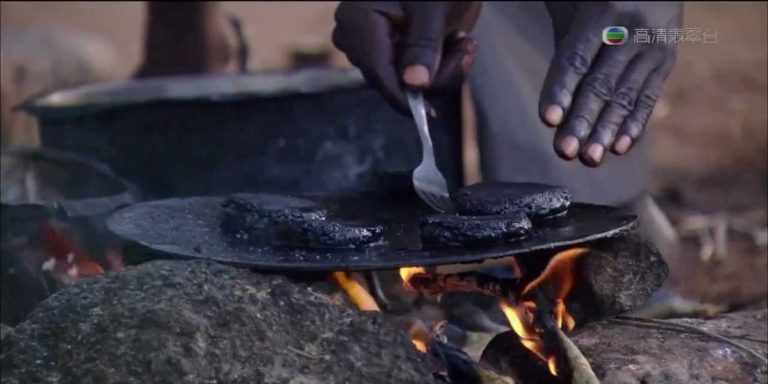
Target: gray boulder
{"points": [[201, 322]]}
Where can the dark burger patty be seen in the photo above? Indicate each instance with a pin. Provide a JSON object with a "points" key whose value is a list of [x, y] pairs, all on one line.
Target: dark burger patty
{"points": [[267, 218], [446, 229], [328, 234], [248, 215], [535, 200]]}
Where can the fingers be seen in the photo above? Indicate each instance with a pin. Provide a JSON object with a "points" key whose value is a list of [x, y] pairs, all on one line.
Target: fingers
{"points": [[634, 125], [397, 44], [372, 51], [423, 43], [619, 106], [458, 58], [593, 92], [572, 61]]}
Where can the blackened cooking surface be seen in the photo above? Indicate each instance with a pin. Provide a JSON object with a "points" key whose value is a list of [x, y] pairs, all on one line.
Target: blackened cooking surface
{"points": [[190, 227]]}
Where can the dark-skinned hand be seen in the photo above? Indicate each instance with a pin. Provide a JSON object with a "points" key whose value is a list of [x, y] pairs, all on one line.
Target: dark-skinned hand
{"points": [[419, 45], [599, 97]]}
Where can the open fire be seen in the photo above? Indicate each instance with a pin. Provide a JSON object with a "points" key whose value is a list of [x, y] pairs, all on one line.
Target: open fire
{"points": [[365, 302], [558, 277], [65, 261], [519, 298], [356, 292]]}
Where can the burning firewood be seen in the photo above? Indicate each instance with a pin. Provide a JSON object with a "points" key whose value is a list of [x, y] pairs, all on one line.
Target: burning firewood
{"points": [[457, 365], [537, 299], [432, 284], [541, 301], [615, 276]]}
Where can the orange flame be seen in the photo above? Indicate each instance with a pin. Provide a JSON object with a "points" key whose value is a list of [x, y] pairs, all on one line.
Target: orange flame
{"points": [[560, 272], [552, 364], [364, 301], [406, 273], [518, 320], [419, 335], [68, 262], [559, 276], [359, 296], [562, 315]]}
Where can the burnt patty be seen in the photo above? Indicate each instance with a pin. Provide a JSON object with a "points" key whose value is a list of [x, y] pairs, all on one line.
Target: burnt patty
{"points": [[247, 215], [473, 230], [328, 233], [535, 200], [266, 218]]}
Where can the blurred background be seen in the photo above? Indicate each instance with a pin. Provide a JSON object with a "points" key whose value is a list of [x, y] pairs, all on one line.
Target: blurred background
{"points": [[710, 128]]}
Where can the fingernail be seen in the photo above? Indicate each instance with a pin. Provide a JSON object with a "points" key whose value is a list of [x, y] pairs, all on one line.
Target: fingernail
{"points": [[622, 145], [461, 34], [467, 62], [595, 153], [554, 115], [416, 75], [570, 146]]}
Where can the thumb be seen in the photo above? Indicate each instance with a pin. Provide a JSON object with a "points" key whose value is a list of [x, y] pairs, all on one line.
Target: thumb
{"points": [[423, 43]]}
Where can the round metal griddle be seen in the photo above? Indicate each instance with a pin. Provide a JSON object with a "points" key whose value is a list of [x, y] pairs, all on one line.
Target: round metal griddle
{"points": [[189, 228]]}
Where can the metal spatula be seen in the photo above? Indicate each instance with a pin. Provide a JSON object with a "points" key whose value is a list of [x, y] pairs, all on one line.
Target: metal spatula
{"points": [[429, 183]]}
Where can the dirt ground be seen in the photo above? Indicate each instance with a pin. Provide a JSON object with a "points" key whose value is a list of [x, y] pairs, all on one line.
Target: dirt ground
{"points": [[710, 129], [710, 147]]}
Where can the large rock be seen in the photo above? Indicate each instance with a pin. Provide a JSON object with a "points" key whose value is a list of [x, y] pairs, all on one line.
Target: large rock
{"points": [[617, 275], [636, 353], [201, 322], [632, 351]]}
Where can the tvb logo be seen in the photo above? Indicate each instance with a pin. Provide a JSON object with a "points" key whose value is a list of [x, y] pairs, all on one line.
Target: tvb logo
{"points": [[615, 35]]}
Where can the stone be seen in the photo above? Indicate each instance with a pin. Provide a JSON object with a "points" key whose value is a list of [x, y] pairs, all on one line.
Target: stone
{"points": [[201, 322]]}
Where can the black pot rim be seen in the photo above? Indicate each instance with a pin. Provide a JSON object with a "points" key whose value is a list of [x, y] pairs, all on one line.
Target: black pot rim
{"points": [[207, 88]]}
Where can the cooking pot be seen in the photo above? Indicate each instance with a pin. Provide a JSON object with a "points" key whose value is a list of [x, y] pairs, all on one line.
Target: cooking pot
{"points": [[302, 132]]}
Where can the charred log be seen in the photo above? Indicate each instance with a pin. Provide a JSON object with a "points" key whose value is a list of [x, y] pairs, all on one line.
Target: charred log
{"points": [[507, 355], [460, 368]]}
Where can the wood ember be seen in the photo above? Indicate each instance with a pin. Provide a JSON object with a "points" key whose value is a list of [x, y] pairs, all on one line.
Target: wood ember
{"points": [[433, 285]]}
